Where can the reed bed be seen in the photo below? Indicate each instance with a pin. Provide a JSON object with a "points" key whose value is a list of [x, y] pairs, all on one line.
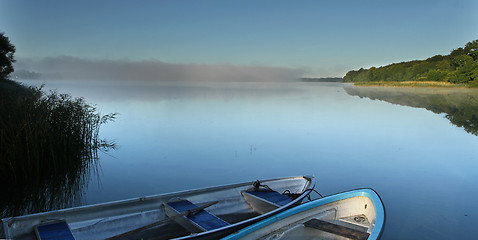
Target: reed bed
{"points": [[48, 147]]}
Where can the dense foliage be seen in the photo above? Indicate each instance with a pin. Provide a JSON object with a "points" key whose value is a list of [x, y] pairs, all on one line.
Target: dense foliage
{"points": [[459, 67], [6, 56]]}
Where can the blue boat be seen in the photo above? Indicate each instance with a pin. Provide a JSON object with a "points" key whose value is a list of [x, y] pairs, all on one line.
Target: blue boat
{"points": [[357, 214]]}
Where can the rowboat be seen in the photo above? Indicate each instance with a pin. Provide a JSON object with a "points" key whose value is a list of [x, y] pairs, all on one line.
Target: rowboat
{"points": [[211, 212], [357, 214]]}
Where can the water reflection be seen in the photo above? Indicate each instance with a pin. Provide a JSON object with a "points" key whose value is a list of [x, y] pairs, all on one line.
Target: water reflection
{"points": [[64, 189], [459, 105], [57, 193]]}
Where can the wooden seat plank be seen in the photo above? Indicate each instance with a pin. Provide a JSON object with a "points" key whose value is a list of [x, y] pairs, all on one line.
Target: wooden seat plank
{"points": [[336, 229]]}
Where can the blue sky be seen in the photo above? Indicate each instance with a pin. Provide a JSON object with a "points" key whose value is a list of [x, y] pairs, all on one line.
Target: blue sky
{"points": [[323, 38]]}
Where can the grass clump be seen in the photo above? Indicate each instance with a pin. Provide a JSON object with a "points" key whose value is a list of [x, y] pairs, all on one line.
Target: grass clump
{"points": [[48, 145]]}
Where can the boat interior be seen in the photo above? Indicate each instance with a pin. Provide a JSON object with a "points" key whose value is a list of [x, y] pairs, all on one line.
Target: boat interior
{"points": [[352, 218], [176, 215]]}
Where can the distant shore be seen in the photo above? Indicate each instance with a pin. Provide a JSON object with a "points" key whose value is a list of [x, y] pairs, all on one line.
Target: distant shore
{"points": [[419, 84], [459, 69], [329, 79]]}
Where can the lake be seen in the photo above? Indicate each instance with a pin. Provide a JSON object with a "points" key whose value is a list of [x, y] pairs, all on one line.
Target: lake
{"points": [[423, 161]]}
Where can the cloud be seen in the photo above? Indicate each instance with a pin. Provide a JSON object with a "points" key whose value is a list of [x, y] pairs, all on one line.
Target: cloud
{"points": [[72, 68]]}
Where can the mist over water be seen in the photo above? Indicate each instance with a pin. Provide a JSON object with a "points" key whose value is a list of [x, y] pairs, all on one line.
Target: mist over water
{"points": [[140, 72], [179, 136]]}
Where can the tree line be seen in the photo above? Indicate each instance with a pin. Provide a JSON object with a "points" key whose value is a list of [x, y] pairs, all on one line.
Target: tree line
{"points": [[459, 67]]}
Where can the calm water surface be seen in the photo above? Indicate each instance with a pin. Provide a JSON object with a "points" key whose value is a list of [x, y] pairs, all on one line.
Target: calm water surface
{"points": [[175, 137]]}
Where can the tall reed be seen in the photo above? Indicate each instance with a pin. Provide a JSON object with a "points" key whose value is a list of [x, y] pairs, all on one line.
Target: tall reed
{"points": [[48, 145]]}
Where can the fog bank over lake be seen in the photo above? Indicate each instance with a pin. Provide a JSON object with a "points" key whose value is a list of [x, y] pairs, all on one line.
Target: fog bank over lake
{"points": [[153, 71]]}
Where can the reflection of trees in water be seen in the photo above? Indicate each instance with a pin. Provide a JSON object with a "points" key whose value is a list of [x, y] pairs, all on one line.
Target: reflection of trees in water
{"points": [[459, 105]]}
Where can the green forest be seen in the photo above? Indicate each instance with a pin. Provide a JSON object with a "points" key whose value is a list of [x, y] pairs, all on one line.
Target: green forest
{"points": [[459, 68]]}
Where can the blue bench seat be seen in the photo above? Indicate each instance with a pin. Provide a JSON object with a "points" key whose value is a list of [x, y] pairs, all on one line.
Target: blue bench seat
{"points": [[271, 196], [204, 219], [54, 231]]}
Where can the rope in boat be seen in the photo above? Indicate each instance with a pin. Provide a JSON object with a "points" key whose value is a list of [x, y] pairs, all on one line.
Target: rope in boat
{"points": [[257, 184], [312, 190]]}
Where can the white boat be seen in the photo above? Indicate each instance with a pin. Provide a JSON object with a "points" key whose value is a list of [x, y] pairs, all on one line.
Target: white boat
{"points": [[357, 214], [196, 214]]}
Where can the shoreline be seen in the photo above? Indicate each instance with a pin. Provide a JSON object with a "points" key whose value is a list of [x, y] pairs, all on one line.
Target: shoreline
{"points": [[411, 84]]}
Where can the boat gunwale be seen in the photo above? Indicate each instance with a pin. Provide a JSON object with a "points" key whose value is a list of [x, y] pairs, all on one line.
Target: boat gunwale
{"points": [[362, 192]]}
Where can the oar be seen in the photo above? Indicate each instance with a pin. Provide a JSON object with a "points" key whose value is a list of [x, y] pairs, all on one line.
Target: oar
{"points": [[185, 213]]}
